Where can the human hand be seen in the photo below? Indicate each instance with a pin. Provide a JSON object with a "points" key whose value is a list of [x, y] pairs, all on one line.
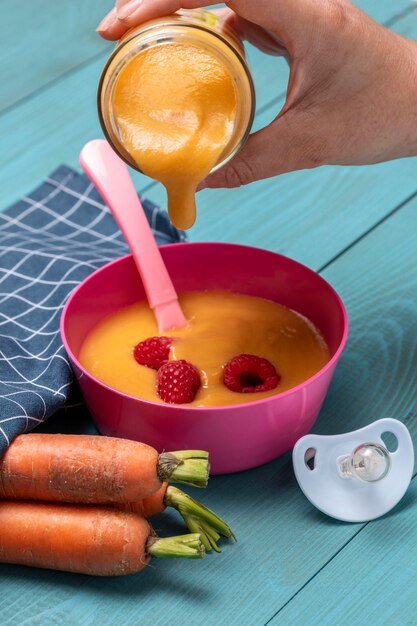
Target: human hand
{"points": [[351, 93]]}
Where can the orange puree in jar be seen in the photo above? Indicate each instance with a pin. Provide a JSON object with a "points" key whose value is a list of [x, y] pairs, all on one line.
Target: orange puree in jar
{"points": [[176, 100], [221, 325], [174, 106]]}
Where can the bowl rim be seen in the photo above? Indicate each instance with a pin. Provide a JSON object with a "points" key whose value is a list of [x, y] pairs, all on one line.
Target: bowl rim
{"points": [[225, 407]]}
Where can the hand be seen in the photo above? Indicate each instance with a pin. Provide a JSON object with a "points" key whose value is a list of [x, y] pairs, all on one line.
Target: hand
{"points": [[352, 89]]}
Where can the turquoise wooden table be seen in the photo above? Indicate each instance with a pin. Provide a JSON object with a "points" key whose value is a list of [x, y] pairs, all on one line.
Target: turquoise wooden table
{"points": [[358, 228]]}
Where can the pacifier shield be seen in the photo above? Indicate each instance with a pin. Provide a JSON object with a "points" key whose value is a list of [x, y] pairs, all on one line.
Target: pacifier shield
{"points": [[353, 477]]}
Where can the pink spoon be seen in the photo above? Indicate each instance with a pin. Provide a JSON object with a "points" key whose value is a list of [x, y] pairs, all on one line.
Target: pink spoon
{"points": [[112, 179]]}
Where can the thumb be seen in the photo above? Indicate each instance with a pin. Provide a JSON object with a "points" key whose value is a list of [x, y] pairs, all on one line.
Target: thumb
{"points": [[289, 143], [289, 20]]}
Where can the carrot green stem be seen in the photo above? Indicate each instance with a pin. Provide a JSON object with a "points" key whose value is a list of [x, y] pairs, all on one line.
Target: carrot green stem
{"points": [[209, 537], [198, 517], [183, 546], [190, 467]]}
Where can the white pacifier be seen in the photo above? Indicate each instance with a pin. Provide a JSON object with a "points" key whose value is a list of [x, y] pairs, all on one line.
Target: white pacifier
{"points": [[353, 477]]}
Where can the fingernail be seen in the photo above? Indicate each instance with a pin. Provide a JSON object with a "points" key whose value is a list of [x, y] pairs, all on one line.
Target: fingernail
{"points": [[128, 9], [107, 21]]}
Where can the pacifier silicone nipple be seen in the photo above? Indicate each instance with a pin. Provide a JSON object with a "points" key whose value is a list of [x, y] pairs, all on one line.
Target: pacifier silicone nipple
{"points": [[368, 462], [354, 477]]}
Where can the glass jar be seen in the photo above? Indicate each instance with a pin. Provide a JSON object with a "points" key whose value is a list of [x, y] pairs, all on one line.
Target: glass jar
{"points": [[197, 27]]}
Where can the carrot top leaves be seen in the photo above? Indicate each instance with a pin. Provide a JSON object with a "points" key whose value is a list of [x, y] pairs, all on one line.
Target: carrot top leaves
{"points": [[190, 467], [183, 546], [198, 518]]}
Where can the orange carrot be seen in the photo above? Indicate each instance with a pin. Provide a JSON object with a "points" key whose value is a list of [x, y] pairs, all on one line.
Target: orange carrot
{"points": [[93, 469], [99, 541], [152, 504], [198, 517]]}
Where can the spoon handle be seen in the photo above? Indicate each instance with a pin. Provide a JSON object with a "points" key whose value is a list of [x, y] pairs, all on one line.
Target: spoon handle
{"points": [[112, 179]]}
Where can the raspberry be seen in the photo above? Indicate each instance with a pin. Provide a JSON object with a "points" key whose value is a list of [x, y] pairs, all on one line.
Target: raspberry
{"points": [[247, 373], [153, 352], [178, 382]]}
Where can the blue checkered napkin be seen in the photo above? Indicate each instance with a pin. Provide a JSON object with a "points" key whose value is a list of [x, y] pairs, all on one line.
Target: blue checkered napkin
{"points": [[49, 242]]}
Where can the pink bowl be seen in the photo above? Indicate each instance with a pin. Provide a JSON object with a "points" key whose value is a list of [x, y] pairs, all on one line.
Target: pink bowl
{"points": [[237, 437]]}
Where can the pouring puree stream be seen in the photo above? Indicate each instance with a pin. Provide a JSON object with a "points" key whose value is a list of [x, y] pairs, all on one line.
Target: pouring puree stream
{"points": [[221, 325], [174, 106]]}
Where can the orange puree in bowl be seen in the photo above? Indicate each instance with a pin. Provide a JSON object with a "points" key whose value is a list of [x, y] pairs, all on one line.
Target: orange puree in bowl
{"points": [[174, 107], [221, 326]]}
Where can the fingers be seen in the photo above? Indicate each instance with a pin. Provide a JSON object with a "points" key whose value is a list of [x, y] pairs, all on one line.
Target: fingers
{"points": [[114, 25], [129, 13], [281, 18], [289, 143], [110, 27], [137, 11], [254, 34], [262, 12], [291, 21], [255, 18], [274, 14]]}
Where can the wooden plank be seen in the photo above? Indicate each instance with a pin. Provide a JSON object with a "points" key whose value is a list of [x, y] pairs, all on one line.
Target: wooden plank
{"points": [[42, 40], [252, 576], [48, 129], [51, 127], [292, 213], [283, 540], [377, 378], [56, 37], [382, 11], [372, 580]]}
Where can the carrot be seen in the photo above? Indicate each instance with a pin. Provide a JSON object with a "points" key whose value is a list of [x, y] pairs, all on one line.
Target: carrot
{"points": [[99, 541], [152, 504], [198, 518], [93, 469]]}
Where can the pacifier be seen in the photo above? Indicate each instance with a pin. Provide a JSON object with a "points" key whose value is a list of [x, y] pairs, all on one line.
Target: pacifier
{"points": [[354, 477]]}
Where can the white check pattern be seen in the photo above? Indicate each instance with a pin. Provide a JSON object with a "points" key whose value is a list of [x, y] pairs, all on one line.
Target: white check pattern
{"points": [[49, 242]]}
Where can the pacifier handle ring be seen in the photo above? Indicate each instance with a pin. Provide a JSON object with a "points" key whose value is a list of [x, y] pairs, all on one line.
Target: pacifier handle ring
{"points": [[300, 450], [398, 429]]}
